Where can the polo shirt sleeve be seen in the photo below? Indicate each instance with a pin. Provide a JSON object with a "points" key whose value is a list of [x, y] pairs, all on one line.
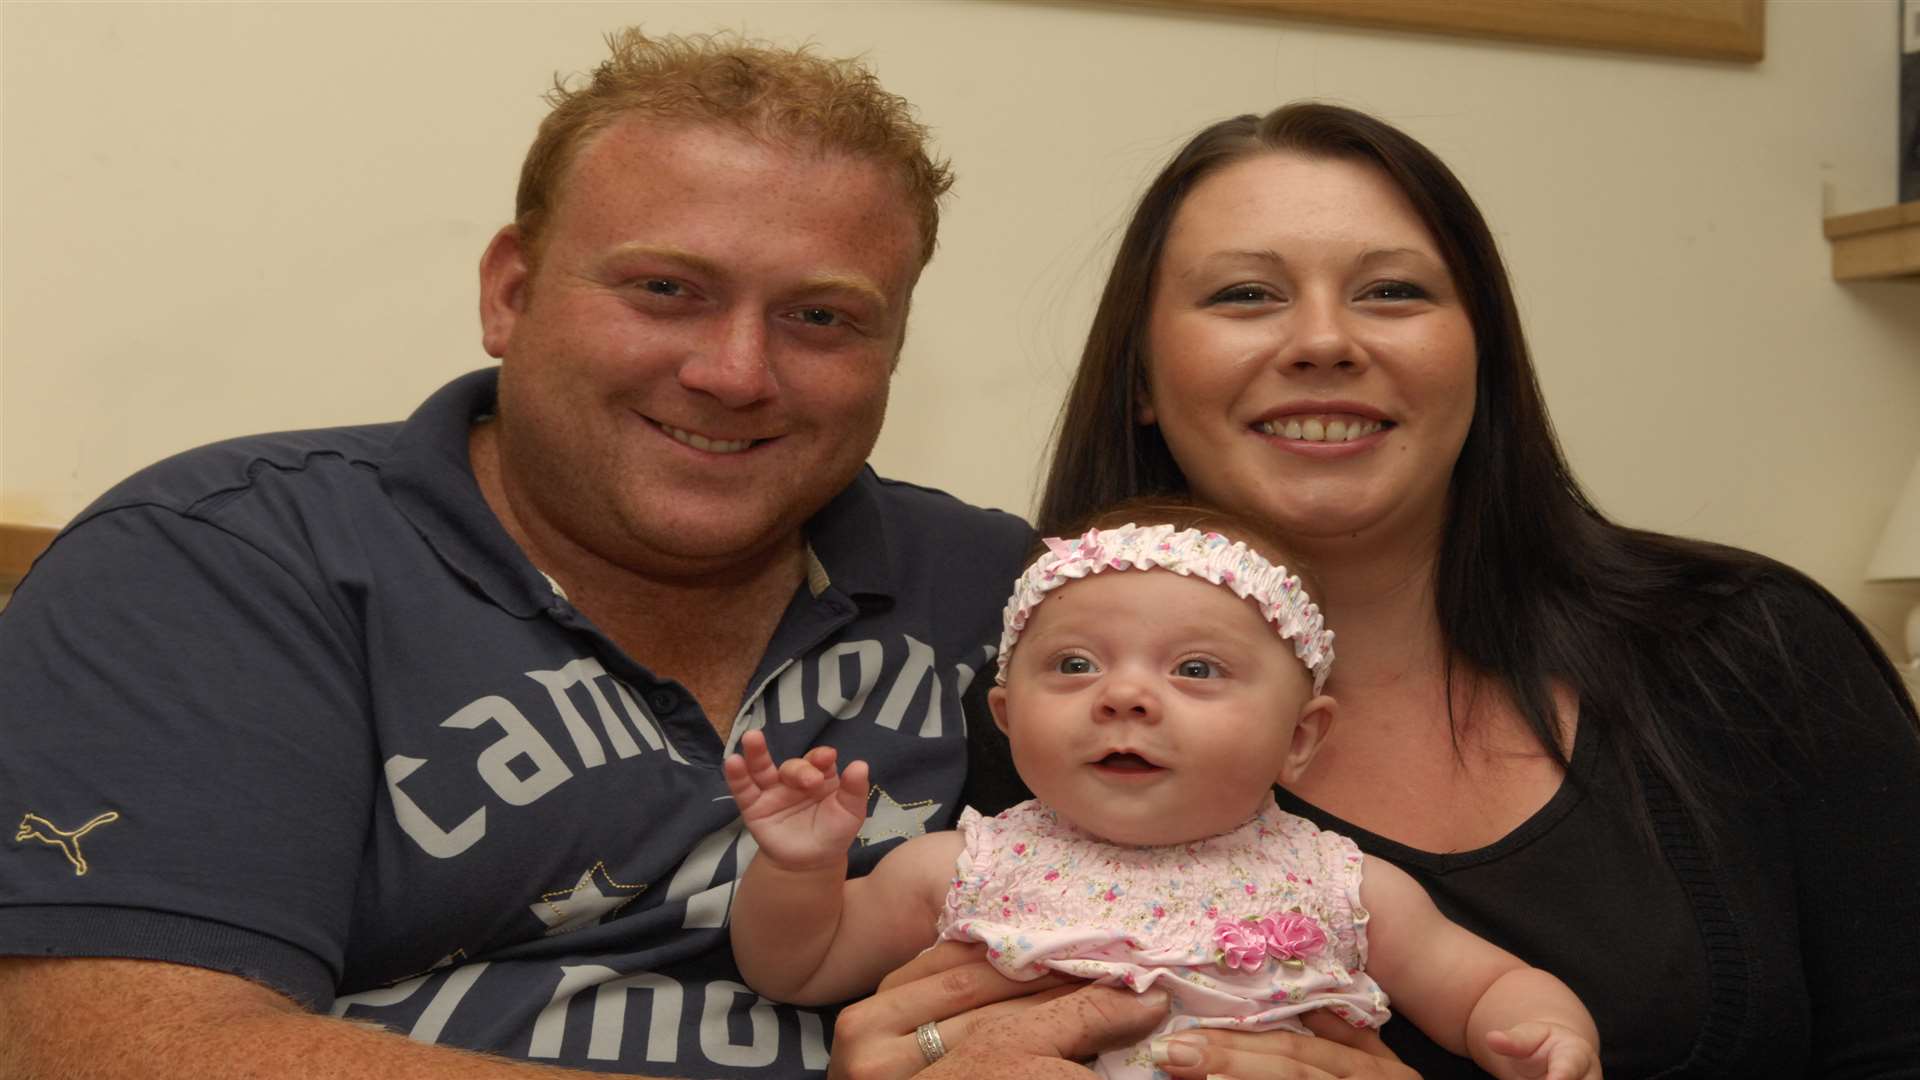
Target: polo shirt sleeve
{"points": [[186, 753]]}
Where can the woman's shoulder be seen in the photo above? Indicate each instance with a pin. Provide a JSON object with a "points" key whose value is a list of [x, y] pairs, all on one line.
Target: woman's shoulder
{"points": [[1763, 632], [1709, 595]]}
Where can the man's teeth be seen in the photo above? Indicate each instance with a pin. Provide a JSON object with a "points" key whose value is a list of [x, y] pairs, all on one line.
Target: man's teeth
{"points": [[1318, 429], [701, 442]]}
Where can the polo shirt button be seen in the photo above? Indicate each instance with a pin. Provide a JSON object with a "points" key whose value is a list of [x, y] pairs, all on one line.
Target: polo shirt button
{"points": [[663, 701]]}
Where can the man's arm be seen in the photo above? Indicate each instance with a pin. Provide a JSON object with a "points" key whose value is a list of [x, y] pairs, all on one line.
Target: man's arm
{"points": [[145, 1020]]}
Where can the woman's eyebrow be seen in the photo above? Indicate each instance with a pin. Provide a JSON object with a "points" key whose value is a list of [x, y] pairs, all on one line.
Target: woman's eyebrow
{"points": [[1233, 257], [1374, 255]]}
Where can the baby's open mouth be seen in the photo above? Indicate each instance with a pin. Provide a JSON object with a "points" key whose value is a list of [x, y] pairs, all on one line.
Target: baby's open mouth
{"points": [[1126, 762]]}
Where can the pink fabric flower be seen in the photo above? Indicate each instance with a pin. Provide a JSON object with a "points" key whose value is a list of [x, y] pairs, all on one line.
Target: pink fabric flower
{"points": [[1289, 937], [1242, 945], [1292, 936]]}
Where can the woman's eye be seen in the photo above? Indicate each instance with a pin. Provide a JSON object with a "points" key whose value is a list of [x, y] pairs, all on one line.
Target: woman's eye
{"points": [[1194, 669], [1074, 665], [1242, 294], [1394, 290]]}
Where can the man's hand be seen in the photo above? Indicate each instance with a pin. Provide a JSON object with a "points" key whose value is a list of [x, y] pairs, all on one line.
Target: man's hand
{"points": [[803, 812], [1547, 1051], [992, 1026]]}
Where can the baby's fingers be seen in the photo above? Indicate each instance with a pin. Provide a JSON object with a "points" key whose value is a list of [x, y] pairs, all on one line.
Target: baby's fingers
{"points": [[822, 758], [853, 789], [739, 781], [1524, 1043], [1547, 1050], [1572, 1059], [803, 775], [758, 760]]}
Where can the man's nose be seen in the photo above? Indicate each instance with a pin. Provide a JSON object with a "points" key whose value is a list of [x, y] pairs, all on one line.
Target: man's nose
{"points": [[732, 364]]}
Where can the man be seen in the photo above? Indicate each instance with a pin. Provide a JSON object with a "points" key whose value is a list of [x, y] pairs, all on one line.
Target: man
{"points": [[421, 724]]}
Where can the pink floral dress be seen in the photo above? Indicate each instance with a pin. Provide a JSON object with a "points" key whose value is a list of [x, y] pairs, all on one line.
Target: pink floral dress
{"points": [[1247, 929]]}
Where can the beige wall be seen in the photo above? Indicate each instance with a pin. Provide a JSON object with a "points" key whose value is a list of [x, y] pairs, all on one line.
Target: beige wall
{"points": [[229, 218]]}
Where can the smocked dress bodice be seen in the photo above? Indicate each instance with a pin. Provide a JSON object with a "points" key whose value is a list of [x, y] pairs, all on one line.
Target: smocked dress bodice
{"points": [[1246, 929]]}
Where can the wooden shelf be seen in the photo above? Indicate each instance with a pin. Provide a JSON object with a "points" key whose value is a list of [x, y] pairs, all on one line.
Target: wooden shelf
{"points": [[19, 545], [1883, 243]]}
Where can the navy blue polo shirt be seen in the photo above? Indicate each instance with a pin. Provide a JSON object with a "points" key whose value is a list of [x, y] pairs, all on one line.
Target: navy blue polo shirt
{"points": [[295, 707]]}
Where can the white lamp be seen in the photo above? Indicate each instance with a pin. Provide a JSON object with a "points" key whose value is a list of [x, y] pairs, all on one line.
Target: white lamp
{"points": [[1898, 556]]}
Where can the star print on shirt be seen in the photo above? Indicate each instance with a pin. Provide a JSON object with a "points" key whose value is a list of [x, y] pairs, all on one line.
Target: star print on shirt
{"points": [[591, 900], [890, 820]]}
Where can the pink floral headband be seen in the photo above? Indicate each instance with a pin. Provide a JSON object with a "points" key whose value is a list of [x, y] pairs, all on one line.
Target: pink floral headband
{"points": [[1189, 552]]}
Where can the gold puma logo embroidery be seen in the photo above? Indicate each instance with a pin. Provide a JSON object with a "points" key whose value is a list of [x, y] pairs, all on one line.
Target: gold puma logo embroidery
{"points": [[35, 827]]}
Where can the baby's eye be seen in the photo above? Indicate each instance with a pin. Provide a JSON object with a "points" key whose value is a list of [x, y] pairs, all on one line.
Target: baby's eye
{"points": [[1074, 665], [1194, 669]]}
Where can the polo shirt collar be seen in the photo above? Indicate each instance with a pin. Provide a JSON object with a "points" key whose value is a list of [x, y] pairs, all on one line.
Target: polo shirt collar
{"points": [[429, 476]]}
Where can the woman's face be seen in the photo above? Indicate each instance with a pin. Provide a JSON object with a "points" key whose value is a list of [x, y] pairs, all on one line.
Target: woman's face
{"points": [[1309, 360]]}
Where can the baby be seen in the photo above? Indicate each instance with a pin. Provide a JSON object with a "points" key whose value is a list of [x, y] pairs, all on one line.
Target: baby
{"points": [[1170, 678]]}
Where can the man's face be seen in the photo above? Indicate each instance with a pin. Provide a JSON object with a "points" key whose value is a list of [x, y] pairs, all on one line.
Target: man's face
{"points": [[699, 360]]}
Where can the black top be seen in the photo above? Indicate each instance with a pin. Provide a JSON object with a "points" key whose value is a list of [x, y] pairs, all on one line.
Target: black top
{"points": [[1787, 944]]}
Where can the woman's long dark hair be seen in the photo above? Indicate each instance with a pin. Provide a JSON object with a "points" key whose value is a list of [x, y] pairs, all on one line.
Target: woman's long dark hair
{"points": [[1533, 583]]}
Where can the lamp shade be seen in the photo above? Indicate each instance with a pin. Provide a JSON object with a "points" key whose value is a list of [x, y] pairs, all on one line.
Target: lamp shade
{"points": [[1898, 556]]}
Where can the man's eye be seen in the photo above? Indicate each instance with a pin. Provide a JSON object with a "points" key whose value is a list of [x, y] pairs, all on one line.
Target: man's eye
{"points": [[1194, 669], [662, 286], [819, 316], [1074, 665]]}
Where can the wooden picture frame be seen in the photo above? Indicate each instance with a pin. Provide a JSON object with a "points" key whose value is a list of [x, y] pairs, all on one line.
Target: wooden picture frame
{"points": [[19, 546], [1704, 29]]}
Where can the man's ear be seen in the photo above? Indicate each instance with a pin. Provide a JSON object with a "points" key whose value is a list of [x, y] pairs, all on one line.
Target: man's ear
{"points": [[997, 704], [1316, 720], [504, 275]]}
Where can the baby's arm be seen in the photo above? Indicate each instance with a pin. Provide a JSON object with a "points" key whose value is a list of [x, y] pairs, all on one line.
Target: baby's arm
{"points": [[801, 931], [1468, 994]]}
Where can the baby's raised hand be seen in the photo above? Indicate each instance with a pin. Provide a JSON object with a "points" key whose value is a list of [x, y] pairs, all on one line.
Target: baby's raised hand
{"points": [[802, 812], [1547, 1051]]}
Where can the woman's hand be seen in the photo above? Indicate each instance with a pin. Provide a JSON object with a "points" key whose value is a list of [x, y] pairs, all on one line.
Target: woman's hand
{"points": [[1337, 1049], [992, 1026]]}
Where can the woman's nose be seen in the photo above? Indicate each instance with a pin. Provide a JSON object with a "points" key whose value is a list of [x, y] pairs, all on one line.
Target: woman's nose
{"points": [[1323, 338]]}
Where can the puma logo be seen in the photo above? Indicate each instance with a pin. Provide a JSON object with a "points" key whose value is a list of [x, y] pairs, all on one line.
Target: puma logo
{"points": [[35, 827]]}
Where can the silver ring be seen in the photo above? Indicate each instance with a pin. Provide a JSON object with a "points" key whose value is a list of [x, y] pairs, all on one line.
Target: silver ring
{"points": [[928, 1036]]}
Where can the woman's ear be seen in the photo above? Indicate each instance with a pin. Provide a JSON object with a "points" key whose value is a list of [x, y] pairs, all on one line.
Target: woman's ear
{"points": [[997, 704], [1143, 413], [1316, 720]]}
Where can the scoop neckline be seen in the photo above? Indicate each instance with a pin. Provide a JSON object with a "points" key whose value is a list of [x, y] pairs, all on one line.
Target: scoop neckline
{"points": [[1572, 789]]}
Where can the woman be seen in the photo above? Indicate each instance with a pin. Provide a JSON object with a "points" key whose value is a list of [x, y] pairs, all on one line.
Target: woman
{"points": [[1679, 776]]}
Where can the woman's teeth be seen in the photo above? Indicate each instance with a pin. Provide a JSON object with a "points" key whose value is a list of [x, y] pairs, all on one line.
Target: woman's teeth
{"points": [[1321, 429], [701, 442]]}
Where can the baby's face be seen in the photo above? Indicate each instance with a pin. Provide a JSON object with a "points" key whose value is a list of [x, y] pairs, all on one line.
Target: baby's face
{"points": [[1151, 708]]}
